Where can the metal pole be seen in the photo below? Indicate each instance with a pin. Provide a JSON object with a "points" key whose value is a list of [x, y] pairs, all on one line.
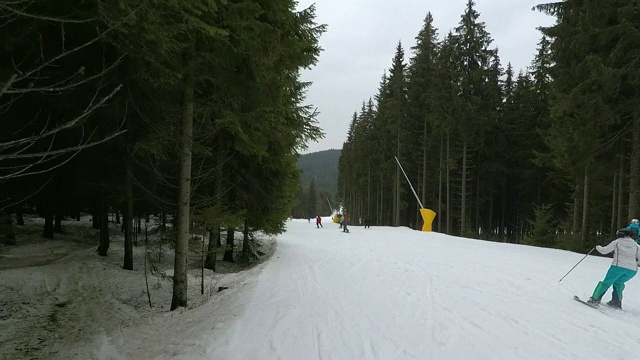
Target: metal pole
{"points": [[574, 266], [406, 177]]}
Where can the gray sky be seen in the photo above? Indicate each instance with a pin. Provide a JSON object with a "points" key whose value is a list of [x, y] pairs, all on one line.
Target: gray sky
{"points": [[362, 36]]}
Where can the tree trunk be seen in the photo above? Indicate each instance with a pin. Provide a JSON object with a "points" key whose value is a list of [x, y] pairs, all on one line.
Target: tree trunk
{"points": [[19, 216], [448, 185], [135, 231], [95, 218], [7, 236], [503, 227], [369, 200], [612, 226], [396, 198], [214, 240], [476, 225], [228, 251], [179, 298], [117, 217], [490, 227], [128, 211], [57, 227], [139, 225], [440, 182], [246, 250], [424, 162], [127, 218], [463, 189], [621, 179], [585, 207], [576, 209], [48, 223], [634, 175], [104, 229]]}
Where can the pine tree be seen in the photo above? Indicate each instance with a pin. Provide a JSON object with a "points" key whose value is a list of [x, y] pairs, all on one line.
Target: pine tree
{"points": [[542, 232], [423, 84], [236, 72], [395, 111], [477, 93], [448, 105]]}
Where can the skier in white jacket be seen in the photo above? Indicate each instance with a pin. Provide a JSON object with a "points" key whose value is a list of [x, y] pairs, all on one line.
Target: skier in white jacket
{"points": [[624, 267]]}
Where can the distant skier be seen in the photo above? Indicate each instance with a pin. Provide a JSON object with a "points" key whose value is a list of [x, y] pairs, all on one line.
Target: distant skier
{"points": [[367, 222], [319, 222], [635, 225], [623, 268], [345, 222]]}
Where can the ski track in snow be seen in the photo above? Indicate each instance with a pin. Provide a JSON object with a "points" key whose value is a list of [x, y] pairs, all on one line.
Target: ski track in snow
{"points": [[385, 293]]}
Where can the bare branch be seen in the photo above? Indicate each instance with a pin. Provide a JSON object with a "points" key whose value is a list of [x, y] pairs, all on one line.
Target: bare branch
{"points": [[4, 6], [80, 47], [25, 198], [61, 151], [67, 125], [23, 174], [57, 88], [6, 85]]}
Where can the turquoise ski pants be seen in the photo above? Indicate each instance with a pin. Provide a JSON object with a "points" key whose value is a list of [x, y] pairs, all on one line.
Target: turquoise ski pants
{"points": [[616, 276]]}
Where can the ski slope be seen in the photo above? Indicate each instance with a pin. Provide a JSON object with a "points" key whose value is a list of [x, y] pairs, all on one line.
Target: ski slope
{"points": [[396, 293]]}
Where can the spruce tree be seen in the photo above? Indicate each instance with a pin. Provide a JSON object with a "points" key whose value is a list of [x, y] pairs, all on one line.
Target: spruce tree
{"points": [[542, 232], [394, 108], [477, 92], [423, 84]]}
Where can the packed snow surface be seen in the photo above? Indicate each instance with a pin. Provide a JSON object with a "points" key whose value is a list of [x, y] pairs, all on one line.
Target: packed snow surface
{"points": [[378, 293], [396, 293]]}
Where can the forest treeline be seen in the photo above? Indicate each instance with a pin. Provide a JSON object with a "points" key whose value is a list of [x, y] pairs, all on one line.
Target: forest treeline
{"points": [[193, 111], [547, 155]]}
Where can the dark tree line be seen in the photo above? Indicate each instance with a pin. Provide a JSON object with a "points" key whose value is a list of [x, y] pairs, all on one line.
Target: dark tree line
{"points": [[548, 155], [312, 201], [188, 110]]}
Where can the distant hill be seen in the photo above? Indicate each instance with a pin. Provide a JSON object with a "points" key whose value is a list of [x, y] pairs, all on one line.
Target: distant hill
{"points": [[321, 166]]}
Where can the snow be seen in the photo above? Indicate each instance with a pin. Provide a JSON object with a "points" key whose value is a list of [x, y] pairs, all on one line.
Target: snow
{"points": [[60, 300], [378, 293]]}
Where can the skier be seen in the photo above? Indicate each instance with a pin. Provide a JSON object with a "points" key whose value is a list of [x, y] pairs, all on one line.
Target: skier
{"points": [[319, 222], [623, 268], [634, 225], [345, 221]]}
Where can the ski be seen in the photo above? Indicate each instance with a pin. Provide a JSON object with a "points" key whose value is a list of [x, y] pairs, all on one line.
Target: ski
{"points": [[576, 298], [605, 309]]}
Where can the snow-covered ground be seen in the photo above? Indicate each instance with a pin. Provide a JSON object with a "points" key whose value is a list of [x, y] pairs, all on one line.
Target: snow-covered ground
{"points": [[60, 300], [378, 293]]}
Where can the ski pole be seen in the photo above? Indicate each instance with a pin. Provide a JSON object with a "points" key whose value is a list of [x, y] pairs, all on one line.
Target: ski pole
{"points": [[574, 266]]}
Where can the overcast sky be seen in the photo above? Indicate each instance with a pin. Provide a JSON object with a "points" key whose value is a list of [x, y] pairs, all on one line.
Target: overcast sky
{"points": [[361, 40]]}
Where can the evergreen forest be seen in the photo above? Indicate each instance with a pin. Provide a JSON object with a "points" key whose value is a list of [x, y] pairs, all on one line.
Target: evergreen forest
{"points": [[191, 111], [548, 155]]}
